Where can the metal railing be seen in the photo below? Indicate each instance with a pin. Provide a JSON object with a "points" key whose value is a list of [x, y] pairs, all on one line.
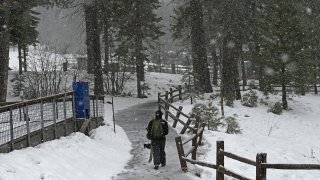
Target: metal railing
{"points": [[23, 118]]}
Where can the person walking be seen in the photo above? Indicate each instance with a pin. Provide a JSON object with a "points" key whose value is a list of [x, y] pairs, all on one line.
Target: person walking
{"points": [[157, 131]]}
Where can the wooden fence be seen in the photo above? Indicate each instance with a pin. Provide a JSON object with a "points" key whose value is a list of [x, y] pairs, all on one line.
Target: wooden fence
{"points": [[164, 102]]}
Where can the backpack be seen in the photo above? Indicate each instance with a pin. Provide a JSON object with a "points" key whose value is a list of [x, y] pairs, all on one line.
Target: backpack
{"points": [[156, 129]]}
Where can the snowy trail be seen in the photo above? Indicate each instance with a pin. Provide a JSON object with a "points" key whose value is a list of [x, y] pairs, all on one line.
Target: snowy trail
{"points": [[134, 121]]}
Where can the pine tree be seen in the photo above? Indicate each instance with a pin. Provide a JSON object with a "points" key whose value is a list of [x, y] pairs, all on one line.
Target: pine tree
{"points": [[285, 47], [188, 23], [23, 23], [138, 30], [93, 45]]}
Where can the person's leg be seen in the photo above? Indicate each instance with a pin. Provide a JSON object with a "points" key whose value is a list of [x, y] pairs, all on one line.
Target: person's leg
{"points": [[162, 152], [156, 152]]}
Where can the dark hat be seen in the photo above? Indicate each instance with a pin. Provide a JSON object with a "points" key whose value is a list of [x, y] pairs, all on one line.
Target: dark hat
{"points": [[158, 114]]}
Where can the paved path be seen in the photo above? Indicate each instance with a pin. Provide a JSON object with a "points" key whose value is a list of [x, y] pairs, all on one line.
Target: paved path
{"points": [[134, 121]]}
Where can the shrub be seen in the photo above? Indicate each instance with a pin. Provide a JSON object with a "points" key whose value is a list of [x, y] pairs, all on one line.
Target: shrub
{"points": [[232, 125], [18, 85], [250, 99], [277, 108], [210, 114]]}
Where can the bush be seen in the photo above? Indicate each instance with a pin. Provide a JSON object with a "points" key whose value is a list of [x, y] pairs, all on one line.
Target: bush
{"points": [[250, 99], [210, 114], [18, 85], [277, 108], [232, 125]]}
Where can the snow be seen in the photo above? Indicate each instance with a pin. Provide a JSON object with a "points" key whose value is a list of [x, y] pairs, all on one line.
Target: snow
{"points": [[78, 157], [288, 138]]}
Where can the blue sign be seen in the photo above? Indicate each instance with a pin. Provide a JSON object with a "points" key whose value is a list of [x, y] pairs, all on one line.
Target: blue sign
{"points": [[82, 100]]}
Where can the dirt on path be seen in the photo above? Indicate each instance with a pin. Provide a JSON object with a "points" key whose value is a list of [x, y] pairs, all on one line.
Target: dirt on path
{"points": [[134, 121]]}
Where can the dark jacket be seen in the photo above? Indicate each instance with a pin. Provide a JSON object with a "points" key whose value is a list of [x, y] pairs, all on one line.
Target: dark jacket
{"points": [[164, 128]]}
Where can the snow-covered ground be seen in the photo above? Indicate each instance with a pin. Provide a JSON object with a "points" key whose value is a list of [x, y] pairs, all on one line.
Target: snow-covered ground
{"points": [[78, 157], [287, 138], [290, 138]]}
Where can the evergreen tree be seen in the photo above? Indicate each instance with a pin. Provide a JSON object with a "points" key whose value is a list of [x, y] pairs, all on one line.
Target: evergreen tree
{"points": [[233, 20], [23, 23], [138, 30], [93, 45], [285, 55], [189, 24]]}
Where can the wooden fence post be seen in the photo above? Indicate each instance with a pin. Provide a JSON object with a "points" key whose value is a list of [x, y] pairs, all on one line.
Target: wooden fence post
{"points": [[261, 173], [171, 95], [194, 141], [54, 115], [184, 129], [220, 160], [167, 106], [177, 117], [65, 115], [203, 125], [11, 131], [180, 92], [27, 119], [180, 150], [42, 122], [159, 96]]}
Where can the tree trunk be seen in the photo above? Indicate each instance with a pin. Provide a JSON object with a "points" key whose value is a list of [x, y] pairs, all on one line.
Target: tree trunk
{"points": [[236, 80], [25, 53], [20, 58], [284, 90], [89, 13], [4, 49], [244, 74], [228, 60], [93, 47], [98, 77], [106, 25], [198, 48], [215, 67], [138, 50]]}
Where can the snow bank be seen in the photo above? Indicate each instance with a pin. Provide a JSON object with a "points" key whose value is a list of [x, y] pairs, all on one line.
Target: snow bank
{"points": [[291, 138]]}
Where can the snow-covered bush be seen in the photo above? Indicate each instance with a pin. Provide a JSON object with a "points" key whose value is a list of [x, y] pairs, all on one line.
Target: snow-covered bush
{"points": [[45, 74], [250, 99], [145, 88], [210, 115], [232, 125], [18, 85], [277, 108]]}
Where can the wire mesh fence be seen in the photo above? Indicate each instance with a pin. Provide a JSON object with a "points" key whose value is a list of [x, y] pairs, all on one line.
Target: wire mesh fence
{"points": [[21, 119]]}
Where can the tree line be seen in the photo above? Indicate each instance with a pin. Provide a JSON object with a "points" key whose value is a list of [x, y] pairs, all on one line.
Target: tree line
{"points": [[127, 29], [279, 38]]}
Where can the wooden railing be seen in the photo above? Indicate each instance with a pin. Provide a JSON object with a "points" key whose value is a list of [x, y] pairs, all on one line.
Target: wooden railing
{"points": [[260, 163], [164, 102]]}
